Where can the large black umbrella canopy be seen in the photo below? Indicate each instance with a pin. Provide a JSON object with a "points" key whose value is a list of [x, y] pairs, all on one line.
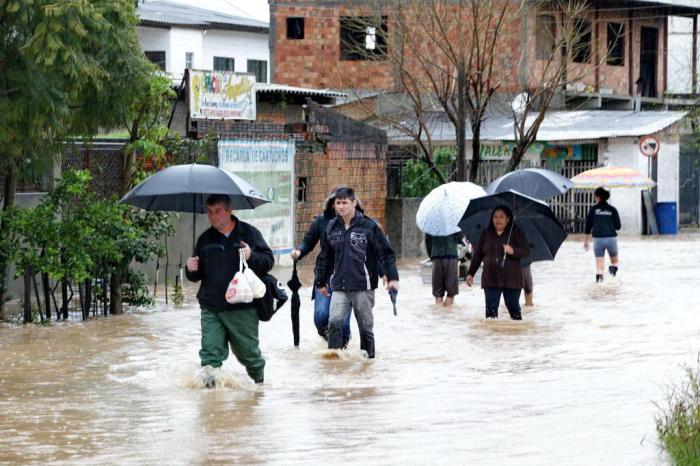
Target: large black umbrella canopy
{"points": [[534, 182], [294, 284], [533, 217], [186, 188]]}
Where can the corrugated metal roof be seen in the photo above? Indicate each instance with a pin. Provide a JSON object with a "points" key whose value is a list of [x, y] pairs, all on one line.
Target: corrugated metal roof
{"points": [[681, 3], [161, 12], [283, 88], [558, 126]]}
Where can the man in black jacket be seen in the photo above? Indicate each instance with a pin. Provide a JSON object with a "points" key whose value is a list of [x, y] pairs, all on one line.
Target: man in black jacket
{"points": [[322, 303], [215, 262], [352, 248]]}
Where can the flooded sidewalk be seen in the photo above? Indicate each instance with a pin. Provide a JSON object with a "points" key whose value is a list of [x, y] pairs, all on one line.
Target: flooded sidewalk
{"points": [[574, 383]]}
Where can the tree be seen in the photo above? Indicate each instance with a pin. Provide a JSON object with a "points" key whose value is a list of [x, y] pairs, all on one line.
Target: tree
{"points": [[67, 68], [534, 88], [74, 237], [442, 54]]}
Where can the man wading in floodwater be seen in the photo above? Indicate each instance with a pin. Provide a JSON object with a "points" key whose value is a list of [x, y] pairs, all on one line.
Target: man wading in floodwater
{"points": [[215, 262], [352, 247]]}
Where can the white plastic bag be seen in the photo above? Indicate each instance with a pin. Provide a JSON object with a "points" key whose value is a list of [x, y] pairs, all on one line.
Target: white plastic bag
{"points": [[257, 285], [239, 289]]}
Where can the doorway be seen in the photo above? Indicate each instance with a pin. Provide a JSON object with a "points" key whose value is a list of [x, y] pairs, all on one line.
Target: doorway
{"points": [[648, 61]]}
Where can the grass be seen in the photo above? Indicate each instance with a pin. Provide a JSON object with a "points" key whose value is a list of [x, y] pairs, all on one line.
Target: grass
{"points": [[678, 424]]}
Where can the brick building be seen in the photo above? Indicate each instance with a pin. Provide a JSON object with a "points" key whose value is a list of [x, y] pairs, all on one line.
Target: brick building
{"points": [[618, 62]]}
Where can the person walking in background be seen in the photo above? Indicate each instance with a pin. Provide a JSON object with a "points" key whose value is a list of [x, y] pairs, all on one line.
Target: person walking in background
{"points": [[443, 254], [214, 263], [322, 303], [501, 247], [352, 249], [603, 223]]}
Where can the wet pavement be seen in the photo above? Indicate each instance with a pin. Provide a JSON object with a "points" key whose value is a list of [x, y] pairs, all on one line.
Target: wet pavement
{"points": [[574, 383]]}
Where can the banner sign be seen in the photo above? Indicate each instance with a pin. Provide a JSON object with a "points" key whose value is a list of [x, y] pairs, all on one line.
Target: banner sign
{"points": [[269, 166], [504, 150], [218, 95]]}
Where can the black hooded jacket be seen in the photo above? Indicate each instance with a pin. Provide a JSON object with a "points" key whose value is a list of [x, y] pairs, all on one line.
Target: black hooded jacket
{"points": [[603, 221], [219, 262], [350, 257]]}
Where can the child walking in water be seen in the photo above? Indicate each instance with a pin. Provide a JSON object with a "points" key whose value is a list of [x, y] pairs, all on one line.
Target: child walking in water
{"points": [[602, 223]]}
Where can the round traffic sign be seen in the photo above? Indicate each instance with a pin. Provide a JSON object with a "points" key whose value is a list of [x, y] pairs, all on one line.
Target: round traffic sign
{"points": [[649, 146]]}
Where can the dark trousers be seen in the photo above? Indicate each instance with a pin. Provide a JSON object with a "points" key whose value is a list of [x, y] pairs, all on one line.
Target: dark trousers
{"points": [[493, 298]]}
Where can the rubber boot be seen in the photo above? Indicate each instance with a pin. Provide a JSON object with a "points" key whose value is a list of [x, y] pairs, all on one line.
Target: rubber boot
{"points": [[598, 277], [613, 270], [528, 299]]}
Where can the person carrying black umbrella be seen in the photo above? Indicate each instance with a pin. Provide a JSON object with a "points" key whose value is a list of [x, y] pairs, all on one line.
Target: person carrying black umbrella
{"points": [[214, 263], [501, 247]]}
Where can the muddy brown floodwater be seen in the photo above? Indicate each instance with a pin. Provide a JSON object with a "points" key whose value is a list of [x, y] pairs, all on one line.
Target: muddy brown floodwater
{"points": [[574, 383]]}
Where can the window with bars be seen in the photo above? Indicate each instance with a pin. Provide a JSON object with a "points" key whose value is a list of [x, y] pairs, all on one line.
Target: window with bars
{"points": [[224, 64], [259, 68]]}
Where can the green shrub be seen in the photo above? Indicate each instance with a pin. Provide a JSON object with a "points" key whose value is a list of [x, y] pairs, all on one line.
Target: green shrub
{"points": [[678, 424], [417, 179]]}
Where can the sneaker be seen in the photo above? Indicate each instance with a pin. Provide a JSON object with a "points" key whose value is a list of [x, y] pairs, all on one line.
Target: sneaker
{"points": [[613, 270], [598, 277]]}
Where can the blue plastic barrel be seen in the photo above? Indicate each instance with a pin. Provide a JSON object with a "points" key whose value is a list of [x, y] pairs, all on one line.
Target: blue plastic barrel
{"points": [[666, 217]]}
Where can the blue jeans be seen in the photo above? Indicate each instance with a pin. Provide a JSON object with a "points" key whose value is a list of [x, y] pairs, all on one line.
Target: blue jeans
{"points": [[322, 308], [493, 298]]}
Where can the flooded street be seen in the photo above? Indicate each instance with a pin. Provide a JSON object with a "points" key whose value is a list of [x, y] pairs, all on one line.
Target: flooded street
{"points": [[574, 383]]}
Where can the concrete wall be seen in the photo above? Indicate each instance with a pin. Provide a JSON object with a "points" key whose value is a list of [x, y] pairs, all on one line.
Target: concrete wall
{"points": [[241, 46], [183, 41], [205, 44], [405, 237], [624, 152], [156, 39]]}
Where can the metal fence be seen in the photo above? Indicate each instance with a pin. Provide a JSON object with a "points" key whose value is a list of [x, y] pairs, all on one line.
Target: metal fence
{"points": [[570, 208]]}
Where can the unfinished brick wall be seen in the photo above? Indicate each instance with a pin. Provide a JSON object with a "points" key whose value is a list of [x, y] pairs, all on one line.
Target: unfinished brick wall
{"points": [[314, 61], [359, 165]]}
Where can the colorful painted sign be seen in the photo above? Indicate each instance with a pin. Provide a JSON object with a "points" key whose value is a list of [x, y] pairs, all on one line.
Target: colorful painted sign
{"points": [[269, 166], [504, 150], [218, 95]]}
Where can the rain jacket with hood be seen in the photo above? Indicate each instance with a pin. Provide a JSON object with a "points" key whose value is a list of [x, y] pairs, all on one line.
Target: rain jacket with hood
{"points": [[489, 250], [350, 257]]}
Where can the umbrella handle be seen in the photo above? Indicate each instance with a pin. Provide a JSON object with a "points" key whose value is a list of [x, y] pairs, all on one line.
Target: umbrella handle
{"points": [[503, 262]]}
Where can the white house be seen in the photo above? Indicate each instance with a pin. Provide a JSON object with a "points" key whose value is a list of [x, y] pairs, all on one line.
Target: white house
{"points": [[178, 37]]}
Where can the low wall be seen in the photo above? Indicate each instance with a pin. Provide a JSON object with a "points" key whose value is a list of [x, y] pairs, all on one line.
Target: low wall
{"points": [[405, 237]]}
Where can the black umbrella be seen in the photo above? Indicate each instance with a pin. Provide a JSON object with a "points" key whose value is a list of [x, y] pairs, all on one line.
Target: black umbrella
{"points": [[294, 284], [534, 182], [535, 219], [186, 188]]}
